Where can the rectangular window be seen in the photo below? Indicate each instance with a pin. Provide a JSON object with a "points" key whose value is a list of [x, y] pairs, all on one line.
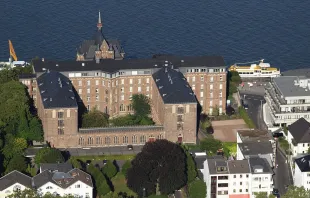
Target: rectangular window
{"points": [[139, 81], [80, 91], [211, 87], [97, 98], [211, 103], [193, 79], [130, 81], [60, 114], [88, 90], [109, 84], [103, 83], [221, 78], [88, 98], [130, 89], [97, 82], [202, 78], [201, 94], [88, 83], [201, 102], [147, 80], [193, 87], [60, 123], [179, 126], [211, 79], [201, 86], [221, 86], [60, 131], [97, 90], [139, 89], [180, 118], [122, 81], [220, 102], [80, 83], [180, 110], [116, 82], [122, 97], [147, 88]]}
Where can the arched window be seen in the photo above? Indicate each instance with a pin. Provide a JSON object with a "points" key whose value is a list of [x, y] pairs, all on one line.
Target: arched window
{"points": [[160, 137], [17, 188], [90, 141], [125, 140], [116, 141], [121, 107], [142, 139], [81, 141], [134, 139], [107, 140], [98, 140]]}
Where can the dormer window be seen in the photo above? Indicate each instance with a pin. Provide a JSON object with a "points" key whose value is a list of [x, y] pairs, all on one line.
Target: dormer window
{"points": [[17, 188], [49, 187], [221, 168]]}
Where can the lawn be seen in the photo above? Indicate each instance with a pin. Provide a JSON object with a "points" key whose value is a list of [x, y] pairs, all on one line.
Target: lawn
{"points": [[104, 157], [231, 147], [119, 183]]}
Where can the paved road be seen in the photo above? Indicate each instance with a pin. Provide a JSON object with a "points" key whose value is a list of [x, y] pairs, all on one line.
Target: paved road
{"points": [[282, 176], [255, 111]]}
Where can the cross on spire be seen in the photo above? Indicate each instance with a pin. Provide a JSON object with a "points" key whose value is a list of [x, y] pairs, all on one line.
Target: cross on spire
{"points": [[99, 24]]}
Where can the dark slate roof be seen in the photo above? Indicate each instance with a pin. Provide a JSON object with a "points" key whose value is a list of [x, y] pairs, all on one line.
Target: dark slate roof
{"points": [[60, 167], [303, 163], [238, 166], [98, 37], [190, 61], [300, 131], [214, 163], [62, 179], [255, 148], [118, 129], [259, 163], [109, 65], [173, 86], [83, 49], [56, 90], [199, 161], [26, 76], [13, 178]]}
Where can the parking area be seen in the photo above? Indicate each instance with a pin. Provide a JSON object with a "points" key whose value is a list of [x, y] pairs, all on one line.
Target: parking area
{"points": [[115, 150], [225, 130]]}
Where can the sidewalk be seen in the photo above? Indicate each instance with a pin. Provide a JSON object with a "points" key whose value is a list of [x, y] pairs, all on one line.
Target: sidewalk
{"points": [[266, 116]]}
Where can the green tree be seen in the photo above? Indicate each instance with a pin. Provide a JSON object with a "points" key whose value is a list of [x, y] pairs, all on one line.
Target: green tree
{"points": [[75, 163], [197, 189], [210, 145], [49, 155], [109, 169], [35, 129], [125, 167], [216, 111], [8, 75], [100, 181], [30, 193], [141, 105], [13, 146], [18, 163], [296, 192], [261, 195], [191, 170], [155, 166], [95, 118]]}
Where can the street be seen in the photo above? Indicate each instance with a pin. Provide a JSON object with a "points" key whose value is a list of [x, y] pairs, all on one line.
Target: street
{"points": [[255, 111], [282, 176]]}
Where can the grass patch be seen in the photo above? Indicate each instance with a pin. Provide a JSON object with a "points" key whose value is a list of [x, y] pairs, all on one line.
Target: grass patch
{"points": [[246, 118], [104, 157], [192, 147], [119, 183], [230, 148]]}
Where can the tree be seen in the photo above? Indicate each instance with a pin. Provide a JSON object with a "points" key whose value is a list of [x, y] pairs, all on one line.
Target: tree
{"points": [[95, 118], [261, 195], [18, 163], [154, 169], [125, 167], [49, 155], [191, 170], [296, 192], [210, 145], [109, 169], [216, 111], [101, 184], [13, 146], [30, 193], [197, 189], [76, 163], [141, 105]]}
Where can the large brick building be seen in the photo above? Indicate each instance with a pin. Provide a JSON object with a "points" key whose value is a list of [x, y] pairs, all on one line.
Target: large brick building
{"points": [[178, 87]]}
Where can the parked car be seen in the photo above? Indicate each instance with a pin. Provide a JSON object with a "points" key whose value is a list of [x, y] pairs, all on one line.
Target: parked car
{"points": [[277, 135], [230, 110], [275, 192]]}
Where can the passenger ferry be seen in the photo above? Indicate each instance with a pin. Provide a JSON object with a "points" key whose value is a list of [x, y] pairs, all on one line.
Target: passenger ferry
{"points": [[260, 70]]}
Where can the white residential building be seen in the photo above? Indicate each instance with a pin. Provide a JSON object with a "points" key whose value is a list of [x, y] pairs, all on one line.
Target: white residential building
{"points": [[288, 99], [298, 137], [59, 179], [302, 172], [237, 178], [14, 181]]}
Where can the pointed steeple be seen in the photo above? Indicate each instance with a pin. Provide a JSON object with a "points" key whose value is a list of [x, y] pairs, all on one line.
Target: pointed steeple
{"points": [[99, 24]]}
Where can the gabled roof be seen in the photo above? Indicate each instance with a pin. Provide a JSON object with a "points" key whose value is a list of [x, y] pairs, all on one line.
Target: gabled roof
{"points": [[98, 37], [13, 178], [303, 163], [300, 131], [173, 86], [61, 167], [56, 90], [238, 166]]}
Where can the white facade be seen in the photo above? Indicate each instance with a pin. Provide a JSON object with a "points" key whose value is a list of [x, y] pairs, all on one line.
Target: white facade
{"points": [[11, 189], [301, 179], [261, 183], [286, 109], [300, 148], [78, 189]]}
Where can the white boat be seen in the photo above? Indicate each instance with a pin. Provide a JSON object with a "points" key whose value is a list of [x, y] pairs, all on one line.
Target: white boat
{"points": [[260, 70]]}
